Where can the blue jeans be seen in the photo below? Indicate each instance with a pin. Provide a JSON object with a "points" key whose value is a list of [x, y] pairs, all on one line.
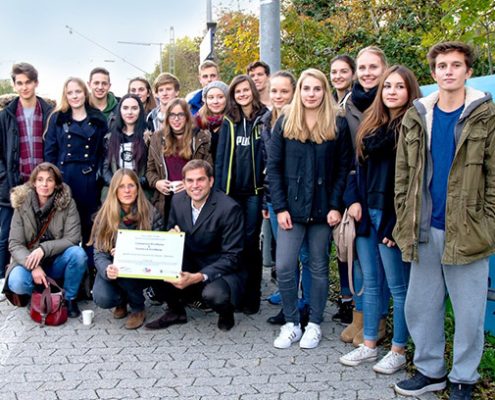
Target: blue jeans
{"points": [[380, 262], [288, 249], [6, 214], [70, 265], [112, 293], [302, 274]]}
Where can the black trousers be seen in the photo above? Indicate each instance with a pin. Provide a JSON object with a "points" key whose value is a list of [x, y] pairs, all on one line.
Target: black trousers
{"points": [[215, 294]]}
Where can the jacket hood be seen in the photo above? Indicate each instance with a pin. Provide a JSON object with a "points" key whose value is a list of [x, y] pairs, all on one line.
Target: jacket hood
{"points": [[20, 194]]}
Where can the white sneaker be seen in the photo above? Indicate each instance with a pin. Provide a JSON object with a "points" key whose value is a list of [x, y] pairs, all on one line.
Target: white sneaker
{"points": [[2, 283], [359, 355], [391, 363], [311, 337], [289, 333]]}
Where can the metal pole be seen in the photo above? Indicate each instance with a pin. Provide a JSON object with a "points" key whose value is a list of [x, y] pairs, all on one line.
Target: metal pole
{"points": [[209, 14], [270, 33]]}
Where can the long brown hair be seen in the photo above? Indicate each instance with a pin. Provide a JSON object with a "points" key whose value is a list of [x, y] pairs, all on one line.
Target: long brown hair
{"points": [[172, 144], [378, 115], [234, 110], [106, 224]]}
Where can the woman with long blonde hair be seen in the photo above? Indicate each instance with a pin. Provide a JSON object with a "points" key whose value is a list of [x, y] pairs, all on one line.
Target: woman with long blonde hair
{"points": [[125, 207], [308, 163], [169, 150]]}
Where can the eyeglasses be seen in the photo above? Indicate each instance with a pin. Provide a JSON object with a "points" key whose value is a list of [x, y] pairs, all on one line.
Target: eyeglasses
{"points": [[180, 115]]}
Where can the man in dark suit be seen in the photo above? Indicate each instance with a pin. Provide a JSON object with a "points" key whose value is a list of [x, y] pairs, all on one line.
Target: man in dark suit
{"points": [[213, 225]]}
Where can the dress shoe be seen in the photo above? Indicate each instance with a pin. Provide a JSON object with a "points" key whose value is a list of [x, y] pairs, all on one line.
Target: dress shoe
{"points": [[226, 321], [278, 319], [73, 309], [135, 320], [120, 312], [170, 317]]}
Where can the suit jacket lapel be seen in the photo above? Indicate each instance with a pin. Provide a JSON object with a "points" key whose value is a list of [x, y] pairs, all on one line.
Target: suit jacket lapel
{"points": [[208, 208]]}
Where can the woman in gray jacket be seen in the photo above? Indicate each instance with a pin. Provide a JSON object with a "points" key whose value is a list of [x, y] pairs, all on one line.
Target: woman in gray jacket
{"points": [[44, 236]]}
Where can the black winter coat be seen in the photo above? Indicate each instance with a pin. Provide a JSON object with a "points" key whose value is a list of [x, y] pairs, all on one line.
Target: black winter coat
{"points": [[9, 148], [308, 179]]}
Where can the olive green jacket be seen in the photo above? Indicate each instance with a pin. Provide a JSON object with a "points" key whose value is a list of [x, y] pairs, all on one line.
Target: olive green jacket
{"points": [[470, 208]]}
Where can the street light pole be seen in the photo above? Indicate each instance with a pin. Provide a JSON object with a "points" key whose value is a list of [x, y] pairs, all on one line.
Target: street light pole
{"points": [[160, 44]]}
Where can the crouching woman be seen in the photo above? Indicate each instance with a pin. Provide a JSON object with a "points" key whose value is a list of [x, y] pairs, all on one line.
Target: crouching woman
{"points": [[44, 236], [125, 207]]}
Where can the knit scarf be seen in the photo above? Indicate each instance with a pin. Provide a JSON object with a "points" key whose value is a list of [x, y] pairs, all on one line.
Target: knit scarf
{"points": [[30, 151], [130, 220], [212, 122], [362, 99]]}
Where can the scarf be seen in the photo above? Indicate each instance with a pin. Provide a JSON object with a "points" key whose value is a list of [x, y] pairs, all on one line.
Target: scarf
{"points": [[129, 221], [30, 149], [212, 122], [362, 99]]}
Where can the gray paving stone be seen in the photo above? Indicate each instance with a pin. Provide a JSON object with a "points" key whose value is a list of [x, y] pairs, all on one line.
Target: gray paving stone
{"points": [[117, 393], [38, 396]]}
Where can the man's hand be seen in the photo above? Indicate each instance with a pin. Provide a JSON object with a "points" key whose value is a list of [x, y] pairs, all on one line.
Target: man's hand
{"points": [[176, 228], [388, 242], [112, 271], [265, 214], [355, 211], [39, 276], [33, 260], [186, 279]]}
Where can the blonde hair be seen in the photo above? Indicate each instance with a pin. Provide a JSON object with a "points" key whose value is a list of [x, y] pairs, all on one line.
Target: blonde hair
{"points": [[104, 231], [64, 104], [376, 51], [295, 123]]}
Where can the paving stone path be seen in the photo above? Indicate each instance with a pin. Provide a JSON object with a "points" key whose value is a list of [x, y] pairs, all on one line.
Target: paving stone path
{"points": [[192, 361]]}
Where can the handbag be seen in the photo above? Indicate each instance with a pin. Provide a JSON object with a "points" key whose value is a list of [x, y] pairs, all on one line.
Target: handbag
{"points": [[344, 234], [49, 307]]}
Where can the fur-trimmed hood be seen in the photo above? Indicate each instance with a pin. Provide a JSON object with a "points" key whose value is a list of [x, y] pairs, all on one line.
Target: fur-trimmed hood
{"points": [[20, 194]]}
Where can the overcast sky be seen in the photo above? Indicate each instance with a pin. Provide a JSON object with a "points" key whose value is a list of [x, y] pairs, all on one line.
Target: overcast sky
{"points": [[35, 31]]}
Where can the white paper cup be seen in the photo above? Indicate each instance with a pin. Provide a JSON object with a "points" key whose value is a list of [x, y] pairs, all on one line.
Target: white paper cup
{"points": [[87, 317]]}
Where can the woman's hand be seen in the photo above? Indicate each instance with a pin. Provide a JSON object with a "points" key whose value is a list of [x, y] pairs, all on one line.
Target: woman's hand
{"points": [[178, 186], [355, 211], [112, 271], [33, 260], [112, 252], [388, 242], [334, 217], [163, 186], [284, 220], [39, 276]]}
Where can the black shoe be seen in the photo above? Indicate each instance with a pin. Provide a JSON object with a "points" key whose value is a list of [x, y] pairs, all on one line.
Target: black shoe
{"points": [[278, 319], [344, 314], [419, 384], [250, 309], [73, 309], [460, 391], [170, 317], [226, 321]]}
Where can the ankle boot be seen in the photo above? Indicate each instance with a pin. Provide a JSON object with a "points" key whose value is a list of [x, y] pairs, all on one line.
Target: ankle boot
{"points": [[352, 330], [359, 339]]}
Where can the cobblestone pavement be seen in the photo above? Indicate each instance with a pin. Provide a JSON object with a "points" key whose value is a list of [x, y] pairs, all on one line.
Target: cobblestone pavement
{"points": [[191, 361]]}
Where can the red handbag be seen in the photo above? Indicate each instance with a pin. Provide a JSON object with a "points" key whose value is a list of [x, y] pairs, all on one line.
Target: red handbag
{"points": [[47, 307]]}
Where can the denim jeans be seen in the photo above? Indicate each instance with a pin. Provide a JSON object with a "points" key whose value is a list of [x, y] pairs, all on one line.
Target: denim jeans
{"points": [[120, 291], [303, 275], [70, 265], [6, 214], [288, 249], [382, 265]]}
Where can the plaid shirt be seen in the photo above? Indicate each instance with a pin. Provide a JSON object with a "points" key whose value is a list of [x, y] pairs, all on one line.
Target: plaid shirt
{"points": [[31, 151]]}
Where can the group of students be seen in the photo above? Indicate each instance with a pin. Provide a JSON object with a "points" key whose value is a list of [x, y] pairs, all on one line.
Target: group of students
{"points": [[416, 174]]}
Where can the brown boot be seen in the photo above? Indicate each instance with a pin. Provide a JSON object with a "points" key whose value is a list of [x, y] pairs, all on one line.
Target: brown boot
{"points": [[352, 330], [359, 339], [135, 320], [120, 312]]}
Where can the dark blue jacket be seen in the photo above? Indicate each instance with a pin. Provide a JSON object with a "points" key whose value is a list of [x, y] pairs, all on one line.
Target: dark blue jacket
{"points": [[308, 179], [196, 101]]}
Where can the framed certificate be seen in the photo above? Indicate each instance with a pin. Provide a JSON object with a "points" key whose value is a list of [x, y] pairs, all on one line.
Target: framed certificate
{"points": [[149, 254]]}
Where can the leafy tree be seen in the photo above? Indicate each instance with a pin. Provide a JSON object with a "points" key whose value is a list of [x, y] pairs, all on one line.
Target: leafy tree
{"points": [[236, 42], [6, 86], [186, 63]]}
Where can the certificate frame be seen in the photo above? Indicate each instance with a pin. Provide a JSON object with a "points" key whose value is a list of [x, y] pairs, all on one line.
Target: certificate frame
{"points": [[149, 254]]}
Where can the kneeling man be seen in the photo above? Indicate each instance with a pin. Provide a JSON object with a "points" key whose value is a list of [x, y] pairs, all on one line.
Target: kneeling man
{"points": [[213, 225]]}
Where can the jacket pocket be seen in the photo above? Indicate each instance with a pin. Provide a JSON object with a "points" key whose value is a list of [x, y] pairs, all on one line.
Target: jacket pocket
{"points": [[475, 146], [474, 237]]}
